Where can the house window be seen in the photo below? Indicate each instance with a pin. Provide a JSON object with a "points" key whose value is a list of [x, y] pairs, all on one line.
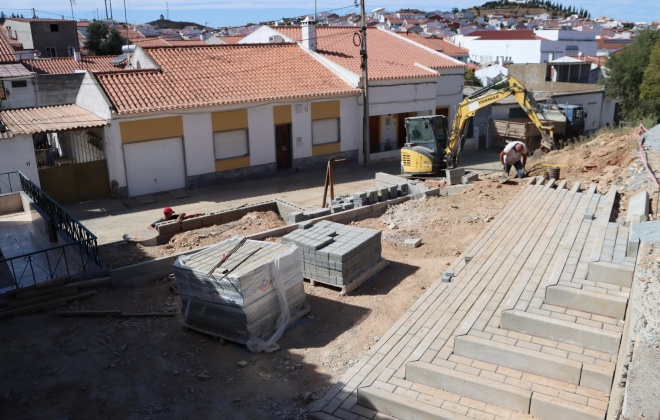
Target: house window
{"points": [[70, 51], [19, 83], [230, 144], [325, 131], [51, 52], [54, 27]]}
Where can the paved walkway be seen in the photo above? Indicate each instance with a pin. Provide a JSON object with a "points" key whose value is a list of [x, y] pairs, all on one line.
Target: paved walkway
{"points": [[529, 326]]}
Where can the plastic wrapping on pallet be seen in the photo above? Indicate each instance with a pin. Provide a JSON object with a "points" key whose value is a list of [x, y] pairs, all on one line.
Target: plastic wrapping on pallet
{"points": [[254, 302]]}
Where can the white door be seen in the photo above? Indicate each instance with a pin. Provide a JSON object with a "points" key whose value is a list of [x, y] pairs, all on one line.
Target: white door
{"points": [[154, 166]]}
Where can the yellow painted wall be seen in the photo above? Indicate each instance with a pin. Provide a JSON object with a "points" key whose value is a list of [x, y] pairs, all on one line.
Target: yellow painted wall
{"points": [[153, 129], [327, 109], [282, 114], [232, 163], [326, 149], [229, 120]]}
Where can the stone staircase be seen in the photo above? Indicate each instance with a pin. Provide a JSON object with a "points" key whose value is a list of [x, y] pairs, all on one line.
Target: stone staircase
{"points": [[529, 326]]}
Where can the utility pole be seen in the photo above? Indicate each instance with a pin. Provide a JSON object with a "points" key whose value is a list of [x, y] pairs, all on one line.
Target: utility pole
{"points": [[106, 9], [365, 87], [72, 3]]}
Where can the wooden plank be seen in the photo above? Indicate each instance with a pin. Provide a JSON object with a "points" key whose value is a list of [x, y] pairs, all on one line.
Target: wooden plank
{"points": [[46, 305]]}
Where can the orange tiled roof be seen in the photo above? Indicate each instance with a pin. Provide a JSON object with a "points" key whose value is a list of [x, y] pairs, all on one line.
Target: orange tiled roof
{"points": [[390, 57], [164, 42], [438, 44], [66, 65], [220, 74], [6, 51]]}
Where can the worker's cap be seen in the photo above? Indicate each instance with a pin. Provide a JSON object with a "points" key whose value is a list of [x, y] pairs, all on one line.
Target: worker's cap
{"points": [[168, 210]]}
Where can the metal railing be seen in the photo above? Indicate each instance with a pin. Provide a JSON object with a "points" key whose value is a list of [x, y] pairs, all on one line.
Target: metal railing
{"points": [[79, 256], [36, 267]]}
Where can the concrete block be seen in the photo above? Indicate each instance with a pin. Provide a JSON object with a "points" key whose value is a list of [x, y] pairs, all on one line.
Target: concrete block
{"points": [[399, 406], [589, 216], [547, 407], [638, 206], [470, 177], [597, 377], [412, 242], [467, 258], [403, 190], [521, 359], [632, 247], [211, 219], [305, 225], [605, 272], [454, 176], [586, 301], [475, 387], [563, 331], [192, 223], [393, 191], [168, 227]]}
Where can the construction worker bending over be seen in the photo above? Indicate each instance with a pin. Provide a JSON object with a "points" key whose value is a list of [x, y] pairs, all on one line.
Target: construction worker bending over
{"points": [[511, 156]]}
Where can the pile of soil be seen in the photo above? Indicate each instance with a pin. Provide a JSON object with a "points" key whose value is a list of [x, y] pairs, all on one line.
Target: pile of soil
{"points": [[122, 254]]}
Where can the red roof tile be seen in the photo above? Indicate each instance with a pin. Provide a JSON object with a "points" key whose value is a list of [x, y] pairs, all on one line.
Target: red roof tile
{"points": [[66, 65], [221, 74], [231, 39], [523, 34], [165, 42], [390, 57], [438, 44], [6, 51]]}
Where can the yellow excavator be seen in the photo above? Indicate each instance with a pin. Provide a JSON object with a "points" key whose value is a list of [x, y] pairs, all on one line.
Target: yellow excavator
{"points": [[430, 147]]}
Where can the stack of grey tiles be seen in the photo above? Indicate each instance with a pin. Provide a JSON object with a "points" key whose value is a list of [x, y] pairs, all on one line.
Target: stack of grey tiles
{"points": [[336, 254], [243, 304]]}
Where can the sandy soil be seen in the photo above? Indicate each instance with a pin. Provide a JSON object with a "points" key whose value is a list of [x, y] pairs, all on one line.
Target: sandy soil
{"points": [[145, 368]]}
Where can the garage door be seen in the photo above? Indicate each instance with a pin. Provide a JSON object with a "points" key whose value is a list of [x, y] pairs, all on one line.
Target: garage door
{"points": [[154, 166]]}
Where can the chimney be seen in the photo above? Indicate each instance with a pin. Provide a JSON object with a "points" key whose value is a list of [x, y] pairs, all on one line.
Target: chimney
{"points": [[309, 33], [76, 55]]}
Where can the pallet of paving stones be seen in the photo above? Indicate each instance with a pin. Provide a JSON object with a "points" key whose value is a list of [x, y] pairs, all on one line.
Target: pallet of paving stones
{"points": [[337, 255], [243, 303]]}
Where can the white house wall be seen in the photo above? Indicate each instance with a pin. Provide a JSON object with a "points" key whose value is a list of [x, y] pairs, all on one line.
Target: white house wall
{"points": [[91, 98], [20, 97], [350, 120], [409, 97], [198, 143], [17, 154]]}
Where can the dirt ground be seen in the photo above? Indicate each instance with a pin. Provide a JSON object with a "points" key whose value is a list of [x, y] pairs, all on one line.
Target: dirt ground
{"points": [[143, 368], [121, 254], [152, 368]]}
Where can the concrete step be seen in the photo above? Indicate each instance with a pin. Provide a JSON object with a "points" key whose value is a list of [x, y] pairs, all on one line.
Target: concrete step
{"points": [[402, 407], [547, 407], [586, 301], [562, 331], [518, 358], [475, 387], [604, 272]]}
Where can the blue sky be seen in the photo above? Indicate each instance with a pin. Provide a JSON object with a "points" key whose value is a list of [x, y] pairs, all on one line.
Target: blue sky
{"points": [[216, 13]]}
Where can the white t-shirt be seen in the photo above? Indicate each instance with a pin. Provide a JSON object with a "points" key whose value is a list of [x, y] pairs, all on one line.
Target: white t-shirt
{"points": [[511, 155]]}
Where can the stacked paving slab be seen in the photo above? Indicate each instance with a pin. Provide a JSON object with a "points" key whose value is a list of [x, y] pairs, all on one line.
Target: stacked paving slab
{"points": [[242, 303], [528, 326], [335, 254]]}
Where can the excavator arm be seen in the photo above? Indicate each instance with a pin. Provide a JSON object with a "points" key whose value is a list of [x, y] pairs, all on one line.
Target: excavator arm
{"points": [[480, 99]]}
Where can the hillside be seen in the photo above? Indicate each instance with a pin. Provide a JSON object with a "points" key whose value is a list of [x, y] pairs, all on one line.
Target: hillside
{"points": [[170, 24]]}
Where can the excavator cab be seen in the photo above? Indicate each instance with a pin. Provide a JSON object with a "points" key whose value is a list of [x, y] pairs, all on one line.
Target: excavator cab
{"points": [[426, 140]]}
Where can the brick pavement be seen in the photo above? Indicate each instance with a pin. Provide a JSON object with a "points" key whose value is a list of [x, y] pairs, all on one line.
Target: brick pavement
{"points": [[529, 326]]}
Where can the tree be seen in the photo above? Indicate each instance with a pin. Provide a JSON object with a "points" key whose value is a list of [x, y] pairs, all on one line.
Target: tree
{"points": [[471, 78], [649, 93], [625, 73], [103, 41]]}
